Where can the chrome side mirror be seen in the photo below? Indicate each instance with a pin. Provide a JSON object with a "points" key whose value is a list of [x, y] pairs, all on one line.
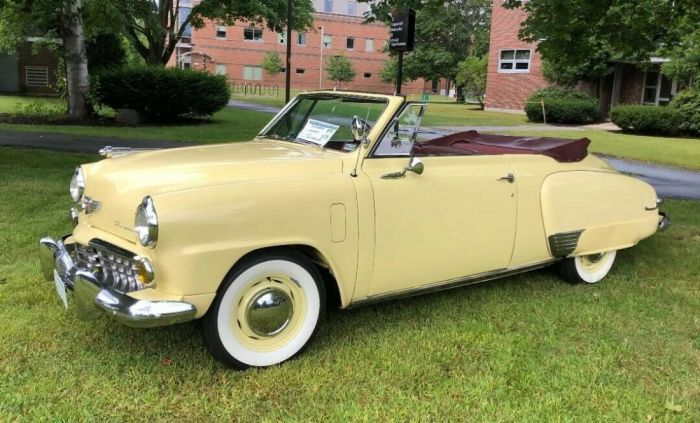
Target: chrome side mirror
{"points": [[415, 166], [358, 128]]}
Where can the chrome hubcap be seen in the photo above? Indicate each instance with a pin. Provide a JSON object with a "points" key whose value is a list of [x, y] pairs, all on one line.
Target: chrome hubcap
{"points": [[269, 312]]}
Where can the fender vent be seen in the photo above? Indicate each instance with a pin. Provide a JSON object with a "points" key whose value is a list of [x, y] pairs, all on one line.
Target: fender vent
{"points": [[564, 243]]}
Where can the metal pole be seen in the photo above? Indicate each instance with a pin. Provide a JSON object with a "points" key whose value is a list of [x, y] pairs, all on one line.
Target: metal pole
{"points": [[320, 67], [288, 69], [399, 73]]}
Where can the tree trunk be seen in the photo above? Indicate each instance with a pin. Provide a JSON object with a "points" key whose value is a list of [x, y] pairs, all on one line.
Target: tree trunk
{"points": [[459, 90], [75, 57]]}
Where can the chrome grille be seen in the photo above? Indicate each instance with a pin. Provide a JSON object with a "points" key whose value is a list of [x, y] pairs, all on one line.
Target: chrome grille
{"points": [[112, 265]]}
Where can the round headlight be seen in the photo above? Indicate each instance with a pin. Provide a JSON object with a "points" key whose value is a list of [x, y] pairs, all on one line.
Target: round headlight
{"points": [[146, 223], [77, 184]]}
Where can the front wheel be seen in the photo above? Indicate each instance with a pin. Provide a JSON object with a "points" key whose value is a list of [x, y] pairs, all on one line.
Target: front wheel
{"points": [[266, 312], [591, 268]]}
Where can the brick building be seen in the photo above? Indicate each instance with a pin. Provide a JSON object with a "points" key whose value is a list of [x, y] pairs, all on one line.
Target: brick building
{"points": [[515, 72], [237, 51], [30, 70]]}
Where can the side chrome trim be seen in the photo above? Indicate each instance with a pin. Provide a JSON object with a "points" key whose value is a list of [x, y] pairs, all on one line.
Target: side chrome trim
{"points": [[564, 243], [449, 284]]}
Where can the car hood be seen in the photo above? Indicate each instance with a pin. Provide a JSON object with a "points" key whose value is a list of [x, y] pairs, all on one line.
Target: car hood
{"points": [[120, 183]]}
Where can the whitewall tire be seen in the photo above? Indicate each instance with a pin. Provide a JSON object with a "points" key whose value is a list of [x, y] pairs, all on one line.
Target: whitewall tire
{"points": [[587, 269], [266, 311]]}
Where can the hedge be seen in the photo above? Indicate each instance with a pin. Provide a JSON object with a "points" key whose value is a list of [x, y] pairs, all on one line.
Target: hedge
{"points": [[651, 120], [564, 111], [162, 93], [687, 104], [562, 105]]}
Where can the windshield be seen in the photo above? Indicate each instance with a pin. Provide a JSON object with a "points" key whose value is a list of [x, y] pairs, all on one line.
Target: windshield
{"points": [[326, 121]]}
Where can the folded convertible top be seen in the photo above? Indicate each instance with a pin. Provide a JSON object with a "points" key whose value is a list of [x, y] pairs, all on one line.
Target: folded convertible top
{"points": [[474, 143]]}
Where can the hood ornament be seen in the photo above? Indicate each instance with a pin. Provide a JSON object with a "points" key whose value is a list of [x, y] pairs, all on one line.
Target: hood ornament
{"points": [[109, 151]]}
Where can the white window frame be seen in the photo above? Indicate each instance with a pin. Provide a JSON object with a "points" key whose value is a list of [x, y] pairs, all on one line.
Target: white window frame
{"points": [[282, 38], [514, 61], [657, 95], [330, 41], [326, 3], [254, 69], [254, 28], [300, 36], [39, 76], [369, 45], [354, 8], [347, 39], [223, 29], [221, 69]]}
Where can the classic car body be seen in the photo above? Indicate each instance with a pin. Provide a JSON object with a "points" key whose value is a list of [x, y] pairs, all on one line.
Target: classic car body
{"points": [[483, 207]]}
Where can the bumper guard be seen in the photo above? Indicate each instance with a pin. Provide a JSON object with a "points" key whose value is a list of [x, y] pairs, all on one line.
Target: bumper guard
{"points": [[93, 299]]}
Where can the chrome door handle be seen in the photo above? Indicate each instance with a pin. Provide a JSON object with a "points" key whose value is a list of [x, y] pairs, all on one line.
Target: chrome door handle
{"points": [[509, 177]]}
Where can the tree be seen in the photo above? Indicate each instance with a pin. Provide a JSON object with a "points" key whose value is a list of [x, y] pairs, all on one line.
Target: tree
{"points": [[154, 27], [578, 38], [272, 64], [51, 19], [388, 73], [471, 74], [446, 33], [340, 69]]}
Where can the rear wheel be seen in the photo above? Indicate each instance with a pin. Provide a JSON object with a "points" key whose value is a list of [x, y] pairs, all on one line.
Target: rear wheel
{"points": [[266, 312], [590, 268]]}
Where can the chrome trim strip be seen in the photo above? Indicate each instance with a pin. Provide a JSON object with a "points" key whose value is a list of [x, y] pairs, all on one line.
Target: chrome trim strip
{"points": [[449, 284], [108, 151], [564, 243]]}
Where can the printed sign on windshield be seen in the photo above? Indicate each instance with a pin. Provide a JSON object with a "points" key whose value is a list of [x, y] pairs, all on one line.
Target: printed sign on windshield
{"points": [[317, 132]]}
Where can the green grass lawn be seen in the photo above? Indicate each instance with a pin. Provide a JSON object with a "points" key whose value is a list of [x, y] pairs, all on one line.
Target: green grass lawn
{"points": [[227, 125], [9, 103], [681, 152], [525, 348]]}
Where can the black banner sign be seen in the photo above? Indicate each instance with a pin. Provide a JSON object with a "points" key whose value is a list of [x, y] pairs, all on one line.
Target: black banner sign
{"points": [[402, 30]]}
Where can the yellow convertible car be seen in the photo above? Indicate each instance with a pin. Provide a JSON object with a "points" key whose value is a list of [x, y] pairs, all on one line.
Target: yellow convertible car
{"points": [[339, 199]]}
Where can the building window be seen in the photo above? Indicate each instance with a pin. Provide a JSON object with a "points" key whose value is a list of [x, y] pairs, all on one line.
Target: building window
{"points": [[221, 32], [182, 15], [327, 41], [658, 88], [350, 43], [369, 44], [352, 8], [281, 38], [515, 61], [252, 34], [328, 6], [368, 75], [221, 69], [252, 73], [36, 76], [301, 38], [300, 70]]}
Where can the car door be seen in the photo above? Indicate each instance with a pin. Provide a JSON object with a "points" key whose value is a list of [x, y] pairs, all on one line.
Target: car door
{"points": [[457, 218]]}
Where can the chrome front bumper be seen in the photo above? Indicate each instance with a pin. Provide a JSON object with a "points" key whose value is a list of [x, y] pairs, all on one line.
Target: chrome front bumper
{"points": [[92, 298]]}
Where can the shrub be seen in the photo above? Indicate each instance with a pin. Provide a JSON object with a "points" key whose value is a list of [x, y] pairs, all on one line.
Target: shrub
{"points": [[687, 104], [652, 120], [562, 105], [162, 93]]}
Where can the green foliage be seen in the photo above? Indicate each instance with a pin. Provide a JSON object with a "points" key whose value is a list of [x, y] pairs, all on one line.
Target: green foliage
{"points": [[38, 108], [446, 33], [388, 73], [564, 111], [340, 69], [687, 104], [578, 38], [271, 63], [559, 93], [105, 51], [471, 74], [162, 93], [651, 120], [154, 34]]}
